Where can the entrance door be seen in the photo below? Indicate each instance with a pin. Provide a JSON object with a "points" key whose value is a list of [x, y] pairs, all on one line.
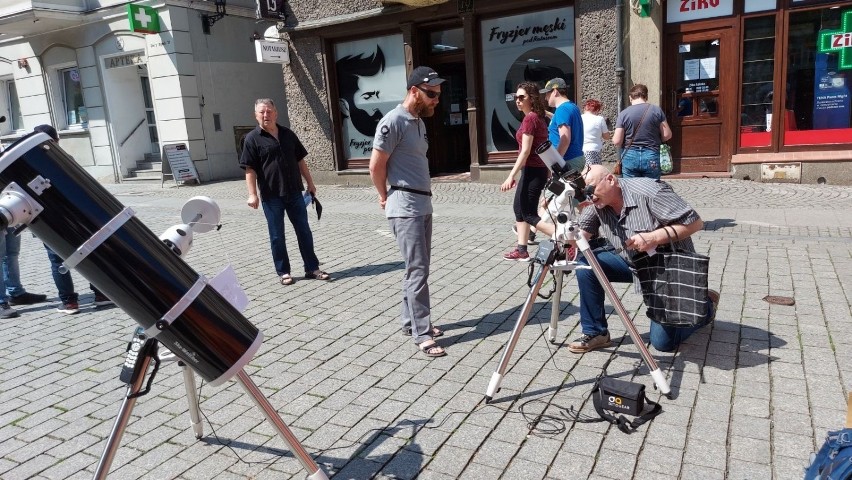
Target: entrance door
{"points": [[700, 99], [449, 137], [150, 118]]}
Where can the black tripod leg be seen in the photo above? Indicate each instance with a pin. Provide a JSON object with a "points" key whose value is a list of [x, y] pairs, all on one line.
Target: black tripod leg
{"points": [[497, 377], [146, 354], [657, 374]]}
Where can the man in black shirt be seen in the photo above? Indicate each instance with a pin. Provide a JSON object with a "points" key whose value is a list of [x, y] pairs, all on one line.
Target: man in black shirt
{"points": [[273, 158]]}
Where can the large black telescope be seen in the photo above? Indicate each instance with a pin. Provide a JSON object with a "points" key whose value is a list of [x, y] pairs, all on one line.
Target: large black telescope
{"points": [[74, 215]]}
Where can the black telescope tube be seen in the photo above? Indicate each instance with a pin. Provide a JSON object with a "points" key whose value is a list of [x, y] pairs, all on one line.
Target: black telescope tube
{"points": [[132, 266]]}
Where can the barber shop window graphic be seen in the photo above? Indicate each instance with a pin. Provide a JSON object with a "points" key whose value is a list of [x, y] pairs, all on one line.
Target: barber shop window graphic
{"points": [[370, 83], [530, 47]]}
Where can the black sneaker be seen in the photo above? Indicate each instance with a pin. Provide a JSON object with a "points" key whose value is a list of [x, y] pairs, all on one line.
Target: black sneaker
{"points": [[6, 311], [102, 300], [27, 298]]}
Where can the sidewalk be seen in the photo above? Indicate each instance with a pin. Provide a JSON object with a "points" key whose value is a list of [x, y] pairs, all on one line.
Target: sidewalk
{"points": [[755, 393]]}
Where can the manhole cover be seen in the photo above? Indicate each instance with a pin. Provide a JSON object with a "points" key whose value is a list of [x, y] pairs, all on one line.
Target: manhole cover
{"points": [[776, 300]]}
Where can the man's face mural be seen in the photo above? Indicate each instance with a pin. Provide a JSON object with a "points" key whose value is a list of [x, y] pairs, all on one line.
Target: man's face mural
{"points": [[360, 92]]}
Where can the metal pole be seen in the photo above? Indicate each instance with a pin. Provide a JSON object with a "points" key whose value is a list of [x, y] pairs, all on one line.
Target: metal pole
{"points": [[555, 307], [283, 431], [148, 350], [656, 373], [497, 377], [192, 399]]}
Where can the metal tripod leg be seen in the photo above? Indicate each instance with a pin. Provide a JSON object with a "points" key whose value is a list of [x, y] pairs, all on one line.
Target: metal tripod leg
{"points": [[283, 431], [555, 306], [656, 373], [497, 377], [192, 399], [147, 352]]}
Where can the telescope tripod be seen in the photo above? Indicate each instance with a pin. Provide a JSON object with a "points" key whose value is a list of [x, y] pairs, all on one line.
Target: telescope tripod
{"points": [[141, 352], [548, 258]]}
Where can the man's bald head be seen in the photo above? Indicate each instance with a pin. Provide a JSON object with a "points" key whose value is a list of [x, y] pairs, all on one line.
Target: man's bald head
{"points": [[606, 189], [595, 174]]}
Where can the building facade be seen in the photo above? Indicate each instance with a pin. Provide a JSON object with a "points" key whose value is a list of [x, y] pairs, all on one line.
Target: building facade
{"points": [[349, 64], [118, 96], [760, 88]]}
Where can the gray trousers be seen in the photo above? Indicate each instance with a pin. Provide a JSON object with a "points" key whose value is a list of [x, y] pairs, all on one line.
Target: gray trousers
{"points": [[414, 237]]}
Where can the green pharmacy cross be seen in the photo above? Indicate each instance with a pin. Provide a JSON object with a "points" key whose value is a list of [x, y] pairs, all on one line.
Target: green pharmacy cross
{"points": [[839, 41], [143, 19]]}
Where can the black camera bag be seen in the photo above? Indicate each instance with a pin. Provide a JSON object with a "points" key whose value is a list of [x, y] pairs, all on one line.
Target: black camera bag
{"points": [[623, 397]]}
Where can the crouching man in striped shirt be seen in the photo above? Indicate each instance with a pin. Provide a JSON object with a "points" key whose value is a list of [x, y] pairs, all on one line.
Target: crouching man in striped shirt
{"points": [[630, 214]]}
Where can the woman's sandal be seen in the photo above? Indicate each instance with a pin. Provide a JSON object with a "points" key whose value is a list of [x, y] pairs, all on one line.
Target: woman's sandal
{"points": [[431, 349], [286, 279], [436, 332], [317, 275]]}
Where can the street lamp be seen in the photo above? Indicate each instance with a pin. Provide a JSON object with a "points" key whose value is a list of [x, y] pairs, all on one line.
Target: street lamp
{"points": [[207, 21]]}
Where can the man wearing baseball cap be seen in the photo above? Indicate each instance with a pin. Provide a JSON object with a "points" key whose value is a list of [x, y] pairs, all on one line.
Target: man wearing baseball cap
{"points": [[399, 159], [566, 126]]}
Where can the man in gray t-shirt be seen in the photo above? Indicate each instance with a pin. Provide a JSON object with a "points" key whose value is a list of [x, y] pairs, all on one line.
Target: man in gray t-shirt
{"points": [[399, 159]]}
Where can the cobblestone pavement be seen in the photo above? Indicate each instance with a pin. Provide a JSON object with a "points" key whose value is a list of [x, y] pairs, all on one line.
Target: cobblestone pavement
{"points": [[754, 394]]}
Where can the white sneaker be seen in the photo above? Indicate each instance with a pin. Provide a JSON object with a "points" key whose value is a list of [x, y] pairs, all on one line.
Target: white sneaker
{"points": [[6, 311]]}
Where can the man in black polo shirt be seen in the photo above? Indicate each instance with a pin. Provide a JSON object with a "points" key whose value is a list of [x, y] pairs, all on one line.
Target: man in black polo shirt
{"points": [[273, 158]]}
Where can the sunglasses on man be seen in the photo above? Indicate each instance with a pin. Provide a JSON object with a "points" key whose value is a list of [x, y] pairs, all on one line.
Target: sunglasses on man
{"points": [[429, 93]]}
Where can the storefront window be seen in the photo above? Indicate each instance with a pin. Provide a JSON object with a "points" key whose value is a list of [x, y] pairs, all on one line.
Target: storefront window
{"points": [[530, 47], [446, 41], [698, 79], [818, 106], [758, 68], [72, 97], [370, 82]]}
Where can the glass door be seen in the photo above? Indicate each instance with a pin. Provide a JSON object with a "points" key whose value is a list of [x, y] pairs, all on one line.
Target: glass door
{"points": [[701, 98]]}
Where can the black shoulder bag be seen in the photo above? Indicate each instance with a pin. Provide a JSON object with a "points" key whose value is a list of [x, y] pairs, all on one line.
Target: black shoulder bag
{"points": [[622, 397]]}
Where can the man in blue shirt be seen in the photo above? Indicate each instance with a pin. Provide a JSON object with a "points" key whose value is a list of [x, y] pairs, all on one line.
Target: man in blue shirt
{"points": [[566, 126]]}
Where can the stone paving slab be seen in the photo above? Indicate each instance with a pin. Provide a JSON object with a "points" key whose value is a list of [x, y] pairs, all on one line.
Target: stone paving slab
{"points": [[754, 394]]}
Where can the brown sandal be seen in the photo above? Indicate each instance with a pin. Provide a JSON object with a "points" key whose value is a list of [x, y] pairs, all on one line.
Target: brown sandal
{"points": [[317, 275], [286, 279], [431, 349]]}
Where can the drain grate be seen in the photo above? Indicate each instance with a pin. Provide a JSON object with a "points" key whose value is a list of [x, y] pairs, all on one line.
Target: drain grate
{"points": [[776, 300]]}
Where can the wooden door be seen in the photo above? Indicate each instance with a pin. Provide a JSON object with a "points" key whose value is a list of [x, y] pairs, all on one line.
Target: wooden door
{"points": [[700, 99], [449, 137]]}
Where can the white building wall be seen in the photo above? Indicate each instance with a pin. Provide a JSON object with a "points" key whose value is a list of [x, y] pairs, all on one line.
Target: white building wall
{"points": [[192, 76]]}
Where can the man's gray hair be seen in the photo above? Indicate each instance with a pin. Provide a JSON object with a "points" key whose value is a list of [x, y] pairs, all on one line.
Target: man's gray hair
{"points": [[264, 101]]}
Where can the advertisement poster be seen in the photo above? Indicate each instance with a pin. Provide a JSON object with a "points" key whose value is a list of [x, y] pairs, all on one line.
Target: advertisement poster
{"points": [[831, 95], [530, 47], [370, 82]]}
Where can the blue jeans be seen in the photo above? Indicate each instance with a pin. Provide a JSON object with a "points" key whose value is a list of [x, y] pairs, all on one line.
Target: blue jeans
{"points": [[11, 269], [592, 296], [641, 162], [64, 282], [294, 206]]}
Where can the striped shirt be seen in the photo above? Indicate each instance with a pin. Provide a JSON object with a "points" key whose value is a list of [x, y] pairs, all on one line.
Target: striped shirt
{"points": [[648, 205]]}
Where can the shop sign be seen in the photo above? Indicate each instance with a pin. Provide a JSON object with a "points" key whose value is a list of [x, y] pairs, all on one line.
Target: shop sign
{"points": [[687, 10], [143, 19], [272, 52], [838, 41], [530, 47], [127, 60], [371, 80]]}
